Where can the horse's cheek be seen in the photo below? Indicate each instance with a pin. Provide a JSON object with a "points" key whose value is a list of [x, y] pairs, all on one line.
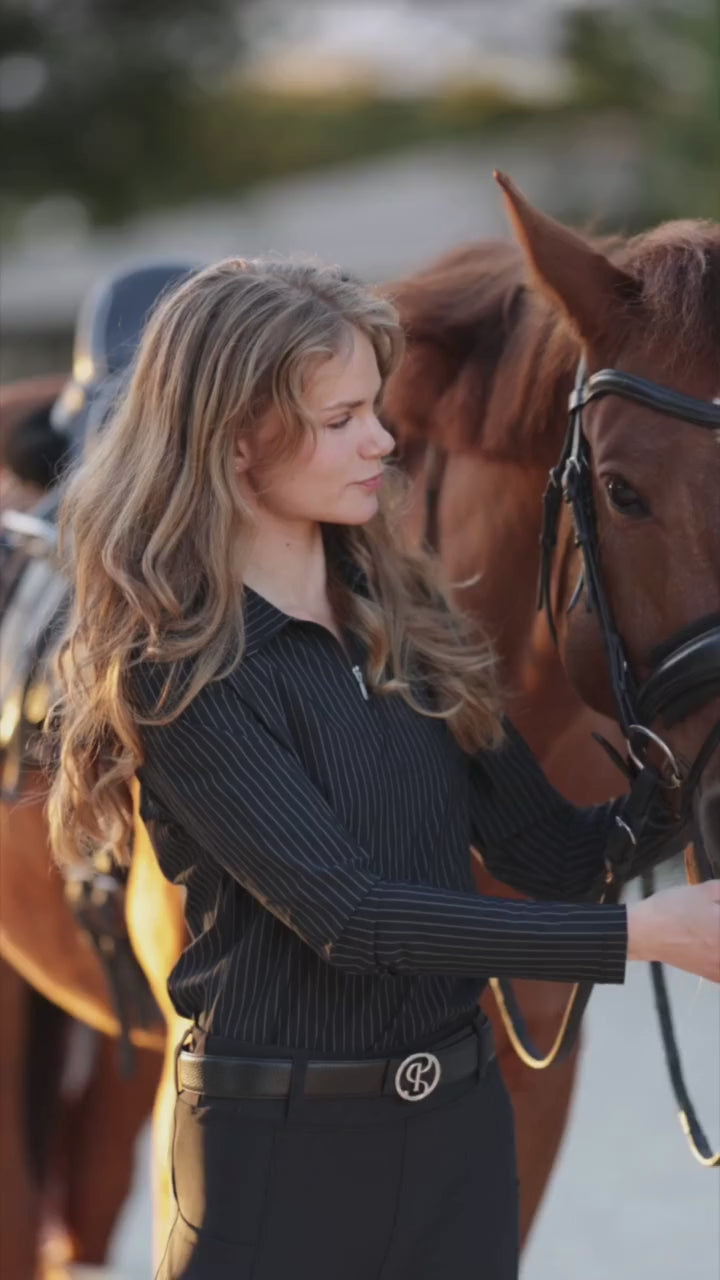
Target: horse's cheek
{"points": [[584, 659]]}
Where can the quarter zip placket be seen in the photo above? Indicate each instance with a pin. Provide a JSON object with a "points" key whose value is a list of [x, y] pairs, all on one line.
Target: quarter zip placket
{"points": [[359, 677], [355, 669]]}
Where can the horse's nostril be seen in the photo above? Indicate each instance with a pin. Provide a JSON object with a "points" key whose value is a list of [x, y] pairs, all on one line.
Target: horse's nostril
{"points": [[710, 826]]}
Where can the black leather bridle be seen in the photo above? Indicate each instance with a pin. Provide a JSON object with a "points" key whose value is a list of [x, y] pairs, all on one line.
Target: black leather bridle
{"points": [[687, 671], [686, 676]]}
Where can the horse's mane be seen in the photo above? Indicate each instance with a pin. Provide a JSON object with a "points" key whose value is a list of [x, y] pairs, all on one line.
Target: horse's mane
{"points": [[679, 266], [486, 355], [490, 361]]}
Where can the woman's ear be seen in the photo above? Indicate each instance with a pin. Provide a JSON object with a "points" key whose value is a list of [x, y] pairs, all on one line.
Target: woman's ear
{"points": [[241, 456]]}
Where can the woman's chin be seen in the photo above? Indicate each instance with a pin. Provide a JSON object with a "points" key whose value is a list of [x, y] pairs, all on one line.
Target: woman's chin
{"points": [[355, 512]]}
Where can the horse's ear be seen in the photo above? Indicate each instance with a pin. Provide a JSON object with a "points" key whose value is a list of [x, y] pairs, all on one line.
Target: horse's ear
{"points": [[583, 282]]}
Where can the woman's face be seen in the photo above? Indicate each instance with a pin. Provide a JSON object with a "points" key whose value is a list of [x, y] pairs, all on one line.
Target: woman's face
{"points": [[336, 476]]}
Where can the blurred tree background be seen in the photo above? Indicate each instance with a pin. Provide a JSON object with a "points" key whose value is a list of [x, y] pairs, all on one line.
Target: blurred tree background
{"points": [[122, 106], [657, 65], [103, 100]]}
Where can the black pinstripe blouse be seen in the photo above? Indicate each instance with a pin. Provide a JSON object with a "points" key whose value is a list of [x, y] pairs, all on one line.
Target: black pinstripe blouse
{"points": [[323, 835]]}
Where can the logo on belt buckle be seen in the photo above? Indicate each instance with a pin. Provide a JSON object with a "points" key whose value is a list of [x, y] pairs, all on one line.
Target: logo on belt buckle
{"points": [[417, 1076]]}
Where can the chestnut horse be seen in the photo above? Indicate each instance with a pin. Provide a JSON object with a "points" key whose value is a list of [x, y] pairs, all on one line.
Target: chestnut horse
{"points": [[495, 333]]}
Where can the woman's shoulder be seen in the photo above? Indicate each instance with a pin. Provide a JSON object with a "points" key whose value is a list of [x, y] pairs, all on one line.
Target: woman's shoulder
{"points": [[244, 693], [151, 682]]}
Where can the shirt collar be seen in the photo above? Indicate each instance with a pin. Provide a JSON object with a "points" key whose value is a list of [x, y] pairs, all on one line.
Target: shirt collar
{"points": [[263, 620]]}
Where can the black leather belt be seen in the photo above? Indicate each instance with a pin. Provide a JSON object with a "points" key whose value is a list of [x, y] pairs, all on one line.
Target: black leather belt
{"points": [[412, 1077]]}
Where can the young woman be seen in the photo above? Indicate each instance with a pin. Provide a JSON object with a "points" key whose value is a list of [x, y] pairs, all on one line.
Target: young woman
{"points": [[319, 741]]}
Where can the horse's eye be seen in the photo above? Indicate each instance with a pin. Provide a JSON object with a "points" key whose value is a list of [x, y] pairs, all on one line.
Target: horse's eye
{"points": [[624, 498]]}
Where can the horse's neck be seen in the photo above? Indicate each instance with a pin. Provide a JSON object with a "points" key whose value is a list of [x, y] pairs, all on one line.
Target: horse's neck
{"points": [[526, 411], [500, 430], [488, 537]]}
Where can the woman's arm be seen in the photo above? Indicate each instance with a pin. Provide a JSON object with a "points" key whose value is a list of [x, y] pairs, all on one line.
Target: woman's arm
{"points": [[246, 802], [529, 835], [535, 840], [679, 926]]}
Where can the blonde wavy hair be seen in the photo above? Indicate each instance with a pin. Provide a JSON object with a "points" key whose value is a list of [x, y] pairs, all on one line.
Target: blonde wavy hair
{"points": [[152, 513]]}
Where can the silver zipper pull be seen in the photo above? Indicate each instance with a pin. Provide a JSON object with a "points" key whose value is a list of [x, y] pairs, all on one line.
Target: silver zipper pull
{"points": [[359, 677]]}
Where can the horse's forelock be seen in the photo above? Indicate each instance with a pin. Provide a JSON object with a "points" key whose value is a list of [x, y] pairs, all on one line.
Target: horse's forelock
{"points": [[678, 265], [485, 355]]}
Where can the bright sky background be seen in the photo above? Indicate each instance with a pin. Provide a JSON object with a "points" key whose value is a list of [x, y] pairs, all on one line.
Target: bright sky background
{"points": [[411, 45]]}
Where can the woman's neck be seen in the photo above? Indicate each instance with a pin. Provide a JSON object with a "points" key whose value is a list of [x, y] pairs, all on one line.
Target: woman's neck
{"points": [[287, 566]]}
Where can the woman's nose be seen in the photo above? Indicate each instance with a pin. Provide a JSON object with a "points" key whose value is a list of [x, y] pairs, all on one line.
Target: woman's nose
{"points": [[378, 442]]}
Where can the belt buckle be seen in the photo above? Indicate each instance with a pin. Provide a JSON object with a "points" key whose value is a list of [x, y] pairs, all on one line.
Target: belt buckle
{"points": [[417, 1076]]}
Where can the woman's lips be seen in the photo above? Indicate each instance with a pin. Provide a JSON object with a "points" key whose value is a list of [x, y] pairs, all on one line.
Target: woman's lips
{"points": [[373, 483]]}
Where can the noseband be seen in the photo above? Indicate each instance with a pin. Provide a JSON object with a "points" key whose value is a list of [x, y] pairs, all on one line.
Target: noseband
{"points": [[687, 671]]}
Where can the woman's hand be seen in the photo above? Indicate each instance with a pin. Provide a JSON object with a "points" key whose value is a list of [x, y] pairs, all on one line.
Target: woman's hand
{"points": [[680, 927]]}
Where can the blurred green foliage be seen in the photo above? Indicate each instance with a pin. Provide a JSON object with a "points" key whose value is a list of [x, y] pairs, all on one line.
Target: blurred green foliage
{"points": [[657, 63], [118, 85], [142, 105], [252, 136]]}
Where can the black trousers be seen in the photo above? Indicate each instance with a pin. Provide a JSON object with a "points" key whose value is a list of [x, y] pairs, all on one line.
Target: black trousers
{"points": [[345, 1189]]}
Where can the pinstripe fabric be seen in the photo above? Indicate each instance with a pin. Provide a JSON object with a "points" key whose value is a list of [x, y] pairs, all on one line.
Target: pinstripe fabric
{"points": [[323, 839]]}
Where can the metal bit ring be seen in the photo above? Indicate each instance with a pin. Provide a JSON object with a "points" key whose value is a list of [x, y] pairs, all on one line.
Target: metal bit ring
{"points": [[675, 779]]}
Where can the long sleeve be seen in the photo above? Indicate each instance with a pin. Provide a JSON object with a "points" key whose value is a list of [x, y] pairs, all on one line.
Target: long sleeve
{"points": [[535, 840], [242, 796], [529, 835]]}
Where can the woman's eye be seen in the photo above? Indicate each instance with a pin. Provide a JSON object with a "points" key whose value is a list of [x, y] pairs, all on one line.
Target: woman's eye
{"points": [[624, 498], [335, 426]]}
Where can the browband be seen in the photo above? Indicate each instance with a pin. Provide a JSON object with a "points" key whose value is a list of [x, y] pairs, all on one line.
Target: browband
{"points": [[607, 382]]}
